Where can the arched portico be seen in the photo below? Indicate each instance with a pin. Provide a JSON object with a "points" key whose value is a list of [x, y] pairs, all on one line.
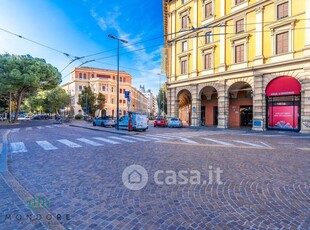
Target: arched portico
{"points": [[209, 106], [184, 106]]}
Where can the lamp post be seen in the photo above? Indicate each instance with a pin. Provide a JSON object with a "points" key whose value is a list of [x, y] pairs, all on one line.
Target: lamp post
{"points": [[117, 78]]}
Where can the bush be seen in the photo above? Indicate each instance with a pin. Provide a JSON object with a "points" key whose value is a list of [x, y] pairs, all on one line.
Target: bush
{"points": [[78, 116]]}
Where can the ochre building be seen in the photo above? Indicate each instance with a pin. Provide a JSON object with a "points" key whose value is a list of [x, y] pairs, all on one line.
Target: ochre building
{"points": [[239, 63], [104, 81]]}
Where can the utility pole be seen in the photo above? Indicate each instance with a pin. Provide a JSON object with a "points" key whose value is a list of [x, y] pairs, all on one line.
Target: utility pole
{"points": [[10, 105]]}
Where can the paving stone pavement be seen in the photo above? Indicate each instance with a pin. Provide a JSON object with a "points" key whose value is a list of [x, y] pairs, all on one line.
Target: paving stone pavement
{"points": [[261, 189]]}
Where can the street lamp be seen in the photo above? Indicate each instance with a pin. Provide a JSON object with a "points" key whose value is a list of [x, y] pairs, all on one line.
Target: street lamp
{"points": [[117, 79]]}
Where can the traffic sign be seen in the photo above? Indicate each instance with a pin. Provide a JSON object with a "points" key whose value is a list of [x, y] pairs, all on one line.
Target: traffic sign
{"points": [[127, 94]]}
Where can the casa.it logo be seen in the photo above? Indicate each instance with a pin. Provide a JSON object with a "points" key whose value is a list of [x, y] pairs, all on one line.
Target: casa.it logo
{"points": [[135, 177]]}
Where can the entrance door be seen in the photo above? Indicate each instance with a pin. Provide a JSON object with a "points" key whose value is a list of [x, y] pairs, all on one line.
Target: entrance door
{"points": [[246, 115], [215, 115], [203, 115]]}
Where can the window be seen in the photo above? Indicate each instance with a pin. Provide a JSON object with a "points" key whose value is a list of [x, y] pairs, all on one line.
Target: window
{"points": [[238, 2], [112, 89], [120, 79], [80, 75], [208, 38], [184, 23], [208, 10], [84, 75], [282, 43], [207, 61], [92, 76], [239, 53], [124, 79], [80, 88], [184, 66], [184, 1], [184, 46], [113, 78], [120, 91], [112, 100], [103, 88], [240, 26], [282, 10]]}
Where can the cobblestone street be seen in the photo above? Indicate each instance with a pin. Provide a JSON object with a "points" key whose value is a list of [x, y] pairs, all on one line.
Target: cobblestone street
{"points": [[263, 187]]}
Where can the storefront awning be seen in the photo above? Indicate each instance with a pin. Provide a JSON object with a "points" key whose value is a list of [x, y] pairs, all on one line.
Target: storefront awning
{"points": [[283, 86]]}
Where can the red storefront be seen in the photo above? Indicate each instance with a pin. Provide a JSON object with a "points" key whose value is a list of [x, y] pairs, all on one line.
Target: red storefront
{"points": [[283, 104]]}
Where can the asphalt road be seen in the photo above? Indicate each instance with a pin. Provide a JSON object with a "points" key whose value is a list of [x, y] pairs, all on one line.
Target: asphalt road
{"points": [[193, 179]]}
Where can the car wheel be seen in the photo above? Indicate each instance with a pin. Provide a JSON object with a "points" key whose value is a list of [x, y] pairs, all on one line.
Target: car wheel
{"points": [[94, 124]]}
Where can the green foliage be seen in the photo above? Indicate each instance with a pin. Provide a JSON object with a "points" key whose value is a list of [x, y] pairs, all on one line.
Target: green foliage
{"points": [[162, 99], [100, 101], [87, 100], [78, 116], [24, 75]]}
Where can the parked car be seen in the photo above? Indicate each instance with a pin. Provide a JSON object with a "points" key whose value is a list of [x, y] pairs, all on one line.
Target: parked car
{"points": [[175, 122], [104, 121], [40, 117], [138, 121], [160, 121]]}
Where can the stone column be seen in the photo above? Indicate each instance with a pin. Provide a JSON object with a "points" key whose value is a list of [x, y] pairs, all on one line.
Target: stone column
{"points": [[223, 107], [259, 109], [195, 108], [305, 102]]}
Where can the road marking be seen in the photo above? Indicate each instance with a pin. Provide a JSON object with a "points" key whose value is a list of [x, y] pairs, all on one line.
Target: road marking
{"points": [[122, 139], [218, 142], [28, 128], [105, 140], [212, 145], [152, 138], [157, 136], [263, 143], [15, 130], [18, 147], [305, 149], [138, 138], [69, 143], [93, 143], [58, 125], [251, 144], [46, 145], [49, 126], [39, 127], [188, 140]]}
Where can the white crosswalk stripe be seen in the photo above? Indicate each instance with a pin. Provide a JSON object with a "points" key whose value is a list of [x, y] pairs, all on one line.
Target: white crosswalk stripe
{"points": [[18, 147], [39, 127], [157, 136], [188, 140], [106, 140], [251, 144], [69, 143], [90, 142], [218, 142], [15, 130], [49, 126], [28, 128], [138, 138], [122, 139], [46, 145]]}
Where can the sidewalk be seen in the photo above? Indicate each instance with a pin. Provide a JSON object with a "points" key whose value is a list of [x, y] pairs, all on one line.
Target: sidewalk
{"points": [[88, 125]]}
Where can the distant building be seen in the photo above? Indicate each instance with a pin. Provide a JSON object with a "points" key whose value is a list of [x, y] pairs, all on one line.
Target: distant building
{"points": [[152, 102], [104, 81]]}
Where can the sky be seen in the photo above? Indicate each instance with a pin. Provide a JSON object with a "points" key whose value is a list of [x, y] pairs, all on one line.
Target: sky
{"points": [[80, 28]]}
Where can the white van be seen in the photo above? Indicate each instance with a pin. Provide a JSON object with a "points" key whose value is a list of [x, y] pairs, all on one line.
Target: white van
{"points": [[138, 121]]}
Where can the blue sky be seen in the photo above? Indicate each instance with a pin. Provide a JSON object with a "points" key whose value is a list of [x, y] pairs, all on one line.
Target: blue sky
{"points": [[80, 28]]}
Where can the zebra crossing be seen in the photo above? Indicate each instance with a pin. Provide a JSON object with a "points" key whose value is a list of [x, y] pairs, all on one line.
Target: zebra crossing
{"points": [[21, 147], [15, 130]]}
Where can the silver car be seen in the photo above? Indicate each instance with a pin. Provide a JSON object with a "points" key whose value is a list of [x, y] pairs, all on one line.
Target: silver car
{"points": [[104, 121], [175, 122]]}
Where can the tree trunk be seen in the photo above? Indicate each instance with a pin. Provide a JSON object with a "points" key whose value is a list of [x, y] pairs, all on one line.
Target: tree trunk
{"points": [[19, 102]]}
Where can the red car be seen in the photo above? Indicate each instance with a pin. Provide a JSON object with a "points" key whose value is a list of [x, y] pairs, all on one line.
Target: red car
{"points": [[160, 121]]}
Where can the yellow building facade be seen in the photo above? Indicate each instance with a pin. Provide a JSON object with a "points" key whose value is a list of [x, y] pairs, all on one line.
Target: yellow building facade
{"points": [[104, 81], [226, 61]]}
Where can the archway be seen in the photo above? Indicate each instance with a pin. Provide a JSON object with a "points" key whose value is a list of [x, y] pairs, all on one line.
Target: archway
{"points": [[283, 99], [185, 106], [240, 105], [209, 106]]}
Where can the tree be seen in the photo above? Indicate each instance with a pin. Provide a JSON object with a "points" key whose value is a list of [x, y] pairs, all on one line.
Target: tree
{"points": [[25, 75], [55, 99], [162, 99], [87, 100], [100, 102]]}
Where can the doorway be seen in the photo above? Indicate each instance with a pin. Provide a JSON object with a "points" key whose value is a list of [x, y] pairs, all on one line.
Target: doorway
{"points": [[215, 115], [246, 115]]}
